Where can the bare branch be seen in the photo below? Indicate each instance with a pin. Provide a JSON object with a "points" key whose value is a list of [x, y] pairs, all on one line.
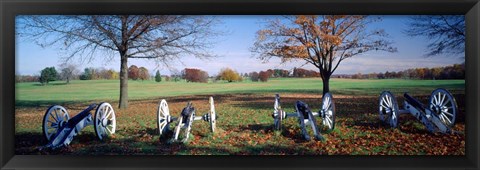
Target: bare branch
{"points": [[446, 33]]}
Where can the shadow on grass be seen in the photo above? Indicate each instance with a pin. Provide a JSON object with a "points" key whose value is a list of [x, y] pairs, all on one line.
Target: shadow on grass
{"points": [[33, 143], [288, 131], [268, 102], [253, 150], [46, 103], [371, 125], [257, 128], [29, 139], [149, 131], [52, 84]]}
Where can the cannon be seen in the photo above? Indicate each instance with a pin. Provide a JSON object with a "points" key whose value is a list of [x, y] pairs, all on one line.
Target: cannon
{"points": [[184, 121], [59, 130], [305, 116], [438, 116]]}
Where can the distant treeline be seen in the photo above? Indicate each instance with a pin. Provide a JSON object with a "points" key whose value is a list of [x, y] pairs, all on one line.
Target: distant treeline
{"points": [[72, 73], [277, 73], [456, 71]]}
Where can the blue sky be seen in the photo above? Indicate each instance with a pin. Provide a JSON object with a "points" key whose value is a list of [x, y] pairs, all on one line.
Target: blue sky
{"points": [[233, 51]]}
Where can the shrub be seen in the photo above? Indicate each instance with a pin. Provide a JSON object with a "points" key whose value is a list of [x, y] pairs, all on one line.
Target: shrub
{"points": [[143, 73], [264, 75], [229, 75], [48, 74], [133, 72], [254, 76], [195, 75]]}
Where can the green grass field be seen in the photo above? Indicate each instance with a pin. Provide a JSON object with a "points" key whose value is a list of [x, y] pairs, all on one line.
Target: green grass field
{"points": [[245, 126], [80, 91]]}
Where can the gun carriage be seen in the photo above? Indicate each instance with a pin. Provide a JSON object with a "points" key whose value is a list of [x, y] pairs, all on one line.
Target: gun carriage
{"points": [[438, 116], [305, 116], [59, 129], [184, 121]]}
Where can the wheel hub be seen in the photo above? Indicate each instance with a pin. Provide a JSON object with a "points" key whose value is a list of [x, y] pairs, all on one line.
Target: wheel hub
{"points": [[437, 109], [168, 118], [388, 110], [104, 122], [62, 123]]}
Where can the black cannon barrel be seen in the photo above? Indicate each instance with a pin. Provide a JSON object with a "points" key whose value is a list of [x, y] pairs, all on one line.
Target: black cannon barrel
{"points": [[188, 110], [414, 102], [79, 117], [303, 108]]}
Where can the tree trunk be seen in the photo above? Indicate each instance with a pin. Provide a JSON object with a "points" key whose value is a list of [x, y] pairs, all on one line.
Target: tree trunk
{"points": [[326, 84], [123, 104]]}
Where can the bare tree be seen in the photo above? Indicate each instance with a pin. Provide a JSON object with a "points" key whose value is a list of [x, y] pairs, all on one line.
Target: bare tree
{"points": [[175, 74], [162, 38], [323, 41], [446, 33], [68, 72]]}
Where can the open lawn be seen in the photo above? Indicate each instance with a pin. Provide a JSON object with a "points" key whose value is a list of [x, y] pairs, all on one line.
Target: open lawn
{"points": [[108, 90], [245, 125]]}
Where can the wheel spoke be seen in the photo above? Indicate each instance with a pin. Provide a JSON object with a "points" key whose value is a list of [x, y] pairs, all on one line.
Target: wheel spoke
{"points": [[104, 130], [387, 101], [443, 98], [56, 115], [105, 111], [329, 113], [111, 120], [435, 99], [442, 118], [384, 100], [449, 101], [51, 122], [329, 103], [109, 131], [51, 115], [439, 98], [446, 118], [390, 99], [161, 114], [329, 122], [448, 113], [109, 113], [385, 106]]}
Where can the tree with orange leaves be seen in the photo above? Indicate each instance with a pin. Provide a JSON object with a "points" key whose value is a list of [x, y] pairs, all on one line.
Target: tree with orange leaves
{"points": [[324, 41]]}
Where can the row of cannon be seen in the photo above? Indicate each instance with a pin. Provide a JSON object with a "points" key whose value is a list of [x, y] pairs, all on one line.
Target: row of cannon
{"points": [[438, 115]]}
